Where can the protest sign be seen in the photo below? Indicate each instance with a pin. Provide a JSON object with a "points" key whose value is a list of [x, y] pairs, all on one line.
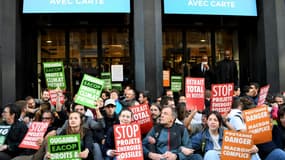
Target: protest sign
{"points": [[4, 130], [176, 83], [36, 131], [117, 73], [142, 116], [64, 147], [263, 94], [195, 93], [117, 86], [258, 123], [54, 75], [106, 77], [236, 145], [128, 142], [222, 97], [166, 78], [54, 94], [89, 91]]}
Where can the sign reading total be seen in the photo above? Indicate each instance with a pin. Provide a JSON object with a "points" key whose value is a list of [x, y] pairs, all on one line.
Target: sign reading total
{"points": [[195, 93]]}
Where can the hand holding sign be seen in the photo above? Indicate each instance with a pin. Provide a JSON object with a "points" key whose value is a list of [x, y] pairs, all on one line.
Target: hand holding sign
{"points": [[3, 147]]}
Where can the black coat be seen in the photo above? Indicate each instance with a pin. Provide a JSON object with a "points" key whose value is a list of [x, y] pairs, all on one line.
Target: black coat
{"points": [[226, 72], [209, 75]]}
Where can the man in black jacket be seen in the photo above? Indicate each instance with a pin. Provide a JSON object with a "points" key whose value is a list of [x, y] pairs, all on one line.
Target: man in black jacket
{"points": [[227, 70], [204, 70]]}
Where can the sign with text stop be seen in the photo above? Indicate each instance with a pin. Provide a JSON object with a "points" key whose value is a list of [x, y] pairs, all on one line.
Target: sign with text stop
{"points": [[222, 97]]}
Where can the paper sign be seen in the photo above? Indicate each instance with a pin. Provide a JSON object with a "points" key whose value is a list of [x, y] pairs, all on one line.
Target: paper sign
{"points": [[36, 131], [166, 78], [142, 116], [263, 94], [89, 91], [117, 73], [54, 75], [222, 97], [258, 123], [236, 145], [128, 142], [195, 93], [176, 83], [4, 130], [53, 96], [64, 147]]}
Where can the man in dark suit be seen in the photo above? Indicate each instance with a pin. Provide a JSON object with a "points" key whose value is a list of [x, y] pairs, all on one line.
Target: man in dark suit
{"points": [[227, 70], [204, 70]]}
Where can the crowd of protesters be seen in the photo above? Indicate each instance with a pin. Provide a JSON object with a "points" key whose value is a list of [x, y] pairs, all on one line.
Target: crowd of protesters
{"points": [[181, 131]]}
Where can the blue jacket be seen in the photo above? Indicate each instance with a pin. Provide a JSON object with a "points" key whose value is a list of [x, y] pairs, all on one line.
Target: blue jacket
{"points": [[169, 139], [198, 138]]}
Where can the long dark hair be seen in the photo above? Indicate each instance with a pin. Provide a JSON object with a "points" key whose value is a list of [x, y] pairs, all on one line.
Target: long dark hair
{"points": [[218, 115], [81, 130]]}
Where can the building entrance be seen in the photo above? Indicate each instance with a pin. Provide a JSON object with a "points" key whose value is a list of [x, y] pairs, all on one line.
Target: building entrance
{"points": [[184, 48], [91, 51]]}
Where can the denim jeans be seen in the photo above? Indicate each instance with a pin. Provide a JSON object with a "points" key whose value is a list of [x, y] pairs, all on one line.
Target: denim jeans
{"points": [[276, 154]]}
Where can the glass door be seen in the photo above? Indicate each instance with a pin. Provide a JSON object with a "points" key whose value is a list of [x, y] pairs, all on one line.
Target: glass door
{"points": [[84, 51]]}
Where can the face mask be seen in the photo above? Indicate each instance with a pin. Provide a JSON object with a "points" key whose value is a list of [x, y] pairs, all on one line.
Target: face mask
{"points": [[204, 63]]}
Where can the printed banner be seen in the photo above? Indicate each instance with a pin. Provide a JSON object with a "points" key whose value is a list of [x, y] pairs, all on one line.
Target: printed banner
{"points": [[36, 131], [142, 116], [258, 123], [4, 130], [128, 142], [166, 78], [176, 83], [222, 97], [263, 94], [117, 86], [89, 91], [53, 96], [211, 7], [54, 75], [236, 145], [195, 93], [106, 77], [64, 147], [76, 6]]}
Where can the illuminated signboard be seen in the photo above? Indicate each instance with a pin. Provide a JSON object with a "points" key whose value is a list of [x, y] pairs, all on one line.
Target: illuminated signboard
{"points": [[211, 7], [76, 6]]}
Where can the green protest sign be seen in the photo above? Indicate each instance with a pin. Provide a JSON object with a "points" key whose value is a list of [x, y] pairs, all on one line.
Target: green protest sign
{"points": [[54, 75], [106, 77], [65, 147], [117, 86], [89, 91], [176, 83], [4, 130]]}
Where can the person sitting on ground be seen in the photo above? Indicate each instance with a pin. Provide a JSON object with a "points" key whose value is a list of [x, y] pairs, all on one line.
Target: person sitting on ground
{"points": [[168, 140]]}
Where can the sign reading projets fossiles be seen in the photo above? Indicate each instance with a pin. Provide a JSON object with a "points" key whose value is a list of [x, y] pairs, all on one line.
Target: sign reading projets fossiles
{"points": [[89, 91], [128, 142], [222, 97], [35, 132], [54, 75], [64, 147]]}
